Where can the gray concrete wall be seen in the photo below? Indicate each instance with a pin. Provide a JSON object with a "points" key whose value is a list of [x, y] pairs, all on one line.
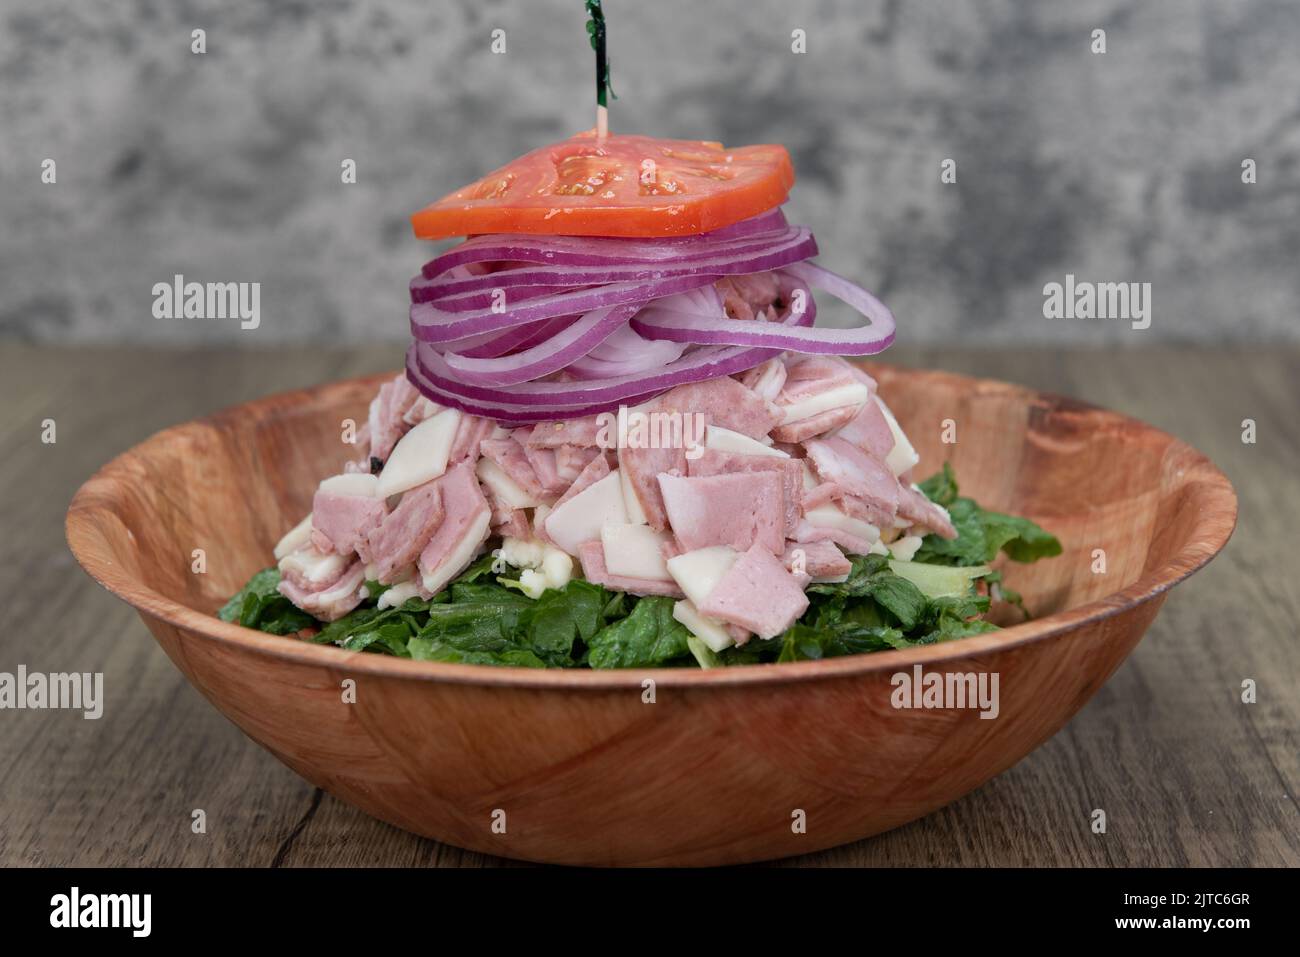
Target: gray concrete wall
{"points": [[1124, 166]]}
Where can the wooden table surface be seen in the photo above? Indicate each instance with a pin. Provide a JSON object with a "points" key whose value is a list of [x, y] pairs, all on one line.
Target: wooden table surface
{"points": [[1187, 773]]}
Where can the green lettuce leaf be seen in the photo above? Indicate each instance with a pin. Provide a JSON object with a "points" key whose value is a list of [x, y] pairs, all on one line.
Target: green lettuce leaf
{"points": [[981, 533], [431, 649], [258, 605], [870, 579], [647, 637]]}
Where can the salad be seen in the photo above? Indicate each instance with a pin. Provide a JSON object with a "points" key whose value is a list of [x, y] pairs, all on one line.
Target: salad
{"points": [[621, 441]]}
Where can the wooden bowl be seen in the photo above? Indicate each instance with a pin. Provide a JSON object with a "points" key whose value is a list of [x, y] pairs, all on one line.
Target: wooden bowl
{"points": [[700, 767]]}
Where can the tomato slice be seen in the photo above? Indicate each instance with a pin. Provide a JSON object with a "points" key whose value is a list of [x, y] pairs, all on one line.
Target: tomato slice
{"points": [[622, 186]]}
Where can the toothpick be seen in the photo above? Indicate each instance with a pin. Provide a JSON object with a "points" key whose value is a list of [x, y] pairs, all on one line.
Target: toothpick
{"points": [[596, 33]]}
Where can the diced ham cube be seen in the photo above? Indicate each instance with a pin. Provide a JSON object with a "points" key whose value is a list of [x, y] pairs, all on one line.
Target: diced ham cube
{"points": [[514, 525], [866, 511], [329, 602], [725, 402], [746, 296], [807, 376], [869, 431], [570, 460], [464, 528], [850, 542], [581, 432], [510, 456], [822, 561], [820, 393], [822, 494], [644, 466], [848, 466], [919, 510], [398, 541], [471, 433], [714, 462], [543, 463], [386, 415], [345, 521], [738, 510], [758, 594], [818, 424], [739, 635]]}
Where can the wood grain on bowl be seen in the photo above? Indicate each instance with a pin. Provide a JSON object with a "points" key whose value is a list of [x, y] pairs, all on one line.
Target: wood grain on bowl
{"points": [[711, 772]]}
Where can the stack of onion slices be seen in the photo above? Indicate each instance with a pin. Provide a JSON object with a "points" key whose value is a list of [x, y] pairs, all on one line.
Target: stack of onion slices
{"points": [[526, 328]]}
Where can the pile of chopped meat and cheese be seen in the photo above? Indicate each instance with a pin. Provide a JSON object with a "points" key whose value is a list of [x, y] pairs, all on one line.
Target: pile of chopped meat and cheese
{"points": [[800, 463], [622, 440]]}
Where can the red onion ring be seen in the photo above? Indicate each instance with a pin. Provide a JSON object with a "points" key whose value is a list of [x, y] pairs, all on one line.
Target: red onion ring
{"points": [[489, 345], [552, 399], [647, 355], [678, 319], [596, 323], [430, 324], [512, 414], [544, 272], [709, 363], [555, 249], [551, 355]]}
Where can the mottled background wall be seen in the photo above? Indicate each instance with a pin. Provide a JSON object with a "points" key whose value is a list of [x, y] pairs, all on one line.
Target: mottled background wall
{"points": [[1122, 166]]}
